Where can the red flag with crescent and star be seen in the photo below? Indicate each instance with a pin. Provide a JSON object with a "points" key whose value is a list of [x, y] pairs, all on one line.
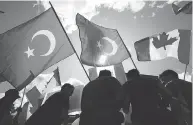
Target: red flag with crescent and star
{"points": [[100, 46], [32, 47]]}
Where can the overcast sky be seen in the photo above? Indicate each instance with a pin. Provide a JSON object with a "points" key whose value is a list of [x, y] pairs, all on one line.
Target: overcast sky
{"points": [[133, 20]]}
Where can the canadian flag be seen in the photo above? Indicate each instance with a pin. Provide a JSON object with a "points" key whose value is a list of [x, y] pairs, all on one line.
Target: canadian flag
{"points": [[177, 44]]}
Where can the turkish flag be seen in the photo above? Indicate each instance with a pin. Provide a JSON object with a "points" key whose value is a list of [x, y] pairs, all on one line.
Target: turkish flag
{"points": [[32, 47], [100, 46]]}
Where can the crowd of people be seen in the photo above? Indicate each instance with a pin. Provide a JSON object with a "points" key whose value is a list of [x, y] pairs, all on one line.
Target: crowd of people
{"points": [[163, 101]]}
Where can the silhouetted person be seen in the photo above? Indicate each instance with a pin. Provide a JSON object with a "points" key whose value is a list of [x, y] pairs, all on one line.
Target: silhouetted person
{"points": [[144, 96], [99, 104], [182, 96], [55, 109], [15, 119], [6, 105]]}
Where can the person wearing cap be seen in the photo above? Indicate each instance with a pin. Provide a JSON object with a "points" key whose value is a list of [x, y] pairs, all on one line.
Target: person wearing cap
{"points": [[55, 110], [6, 104]]}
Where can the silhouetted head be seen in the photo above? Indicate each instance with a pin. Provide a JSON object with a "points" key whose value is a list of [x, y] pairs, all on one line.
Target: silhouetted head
{"points": [[12, 93], [131, 74], [67, 89], [168, 75], [104, 73]]}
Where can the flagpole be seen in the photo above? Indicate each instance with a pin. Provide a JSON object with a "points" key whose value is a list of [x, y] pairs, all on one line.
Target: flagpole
{"points": [[23, 97], [185, 72], [69, 39], [59, 75], [15, 119], [128, 52], [49, 80], [133, 62], [24, 91]]}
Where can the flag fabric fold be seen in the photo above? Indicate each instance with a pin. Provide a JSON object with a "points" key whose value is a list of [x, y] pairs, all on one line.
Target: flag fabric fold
{"points": [[100, 46], [2, 79], [57, 76], [92, 73], [120, 73], [174, 44], [33, 46], [23, 115], [33, 96], [187, 8], [142, 48]]}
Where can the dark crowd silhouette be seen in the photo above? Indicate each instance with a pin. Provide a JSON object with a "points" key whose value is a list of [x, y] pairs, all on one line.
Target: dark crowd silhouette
{"points": [[165, 100]]}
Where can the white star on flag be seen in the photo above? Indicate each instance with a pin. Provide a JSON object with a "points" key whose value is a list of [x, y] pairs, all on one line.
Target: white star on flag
{"points": [[99, 45], [29, 52]]}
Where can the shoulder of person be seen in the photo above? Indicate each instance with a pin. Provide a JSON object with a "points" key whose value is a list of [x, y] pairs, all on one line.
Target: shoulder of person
{"points": [[59, 97], [110, 78], [57, 94], [183, 83], [1, 101], [89, 84], [126, 84], [174, 85], [175, 82], [104, 78], [54, 96], [114, 80], [148, 80]]}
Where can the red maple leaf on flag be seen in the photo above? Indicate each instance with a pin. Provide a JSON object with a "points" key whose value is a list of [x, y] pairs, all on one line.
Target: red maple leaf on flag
{"points": [[163, 41]]}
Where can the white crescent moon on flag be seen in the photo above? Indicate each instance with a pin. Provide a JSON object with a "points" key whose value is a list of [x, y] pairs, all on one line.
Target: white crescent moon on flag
{"points": [[114, 45], [51, 38]]}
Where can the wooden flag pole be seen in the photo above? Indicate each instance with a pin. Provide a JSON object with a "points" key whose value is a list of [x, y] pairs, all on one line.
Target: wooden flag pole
{"points": [[185, 72], [69, 40], [128, 52]]}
